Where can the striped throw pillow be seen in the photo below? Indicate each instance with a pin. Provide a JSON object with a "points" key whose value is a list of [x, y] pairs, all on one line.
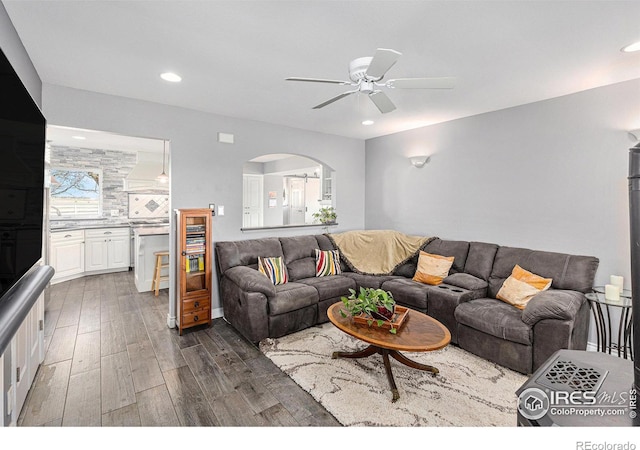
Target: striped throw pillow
{"points": [[274, 269], [327, 263]]}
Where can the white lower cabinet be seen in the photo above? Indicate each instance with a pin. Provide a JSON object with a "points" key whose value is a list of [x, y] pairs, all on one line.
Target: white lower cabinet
{"points": [[90, 251], [19, 363], [67, 254], [107, 249]]}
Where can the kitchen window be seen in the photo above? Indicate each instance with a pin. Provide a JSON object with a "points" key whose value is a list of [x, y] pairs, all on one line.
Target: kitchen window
{"points": [[76, 193]]}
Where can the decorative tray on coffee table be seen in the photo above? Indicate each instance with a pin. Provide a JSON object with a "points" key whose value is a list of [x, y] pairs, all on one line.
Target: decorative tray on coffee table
{"points": [[398, 318]]}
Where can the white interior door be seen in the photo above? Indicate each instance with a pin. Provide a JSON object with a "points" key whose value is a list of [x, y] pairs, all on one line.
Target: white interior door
{"points": [[296, 201], [312, 198], [252, 201]]}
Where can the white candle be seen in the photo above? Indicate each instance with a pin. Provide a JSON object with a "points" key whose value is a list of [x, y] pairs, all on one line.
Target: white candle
{"points": [[611, 292], [617, 281]]}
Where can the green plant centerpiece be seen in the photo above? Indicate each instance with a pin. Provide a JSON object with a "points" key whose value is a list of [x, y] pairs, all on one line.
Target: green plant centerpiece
{"points": [[326, 214], [377, 305]]}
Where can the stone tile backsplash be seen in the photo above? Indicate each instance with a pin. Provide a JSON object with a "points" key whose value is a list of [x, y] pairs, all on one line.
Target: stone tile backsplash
{"points": [[115, 166]]}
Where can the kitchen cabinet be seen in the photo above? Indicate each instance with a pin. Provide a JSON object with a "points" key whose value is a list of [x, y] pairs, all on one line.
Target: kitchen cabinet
{"points": [[67, 254], [107, 249]]}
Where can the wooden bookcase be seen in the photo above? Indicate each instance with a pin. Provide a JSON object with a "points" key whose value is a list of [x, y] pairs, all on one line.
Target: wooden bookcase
{"points": [[194, 268]]}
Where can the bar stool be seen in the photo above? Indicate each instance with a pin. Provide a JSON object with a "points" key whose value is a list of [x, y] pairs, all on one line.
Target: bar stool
{"points": [[157, 274]]}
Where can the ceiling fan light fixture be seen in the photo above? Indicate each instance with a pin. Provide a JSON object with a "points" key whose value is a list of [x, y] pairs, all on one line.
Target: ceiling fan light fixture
{"points": [[631, 47], [171, 77], [366, 74]]}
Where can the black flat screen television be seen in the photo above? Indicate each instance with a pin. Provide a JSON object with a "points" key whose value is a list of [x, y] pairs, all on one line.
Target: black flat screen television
{"points": [[22, 147]]}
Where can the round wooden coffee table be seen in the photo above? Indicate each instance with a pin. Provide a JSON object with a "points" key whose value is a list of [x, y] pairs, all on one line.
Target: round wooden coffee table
{"points": [[418, 333]]}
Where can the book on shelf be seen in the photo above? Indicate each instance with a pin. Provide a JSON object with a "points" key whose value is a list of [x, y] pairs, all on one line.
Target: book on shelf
{"points": [[194, 263]]}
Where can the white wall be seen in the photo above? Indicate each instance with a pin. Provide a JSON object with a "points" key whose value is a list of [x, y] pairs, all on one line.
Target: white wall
{"points": [[550, 175], [203, 171]]}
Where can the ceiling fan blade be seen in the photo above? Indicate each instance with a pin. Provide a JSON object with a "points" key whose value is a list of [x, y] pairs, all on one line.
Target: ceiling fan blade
{"points": [[383, 60], [422, 83], [383, 102], [334, 99], [317, 80]]}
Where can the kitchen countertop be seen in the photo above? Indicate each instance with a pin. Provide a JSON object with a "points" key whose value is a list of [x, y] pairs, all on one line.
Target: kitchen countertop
{"points": [[150, 230], [92, 224]]}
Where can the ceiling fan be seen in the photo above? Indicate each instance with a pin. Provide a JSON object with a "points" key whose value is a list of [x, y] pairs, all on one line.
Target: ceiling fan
{"points": [[366, 76]]}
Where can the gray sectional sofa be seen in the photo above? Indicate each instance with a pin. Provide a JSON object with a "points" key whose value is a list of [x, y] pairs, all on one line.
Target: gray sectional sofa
{"points": [[465, 302]]}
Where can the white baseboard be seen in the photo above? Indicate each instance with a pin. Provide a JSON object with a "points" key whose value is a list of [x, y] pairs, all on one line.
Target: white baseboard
{"points": [[217, 312]]}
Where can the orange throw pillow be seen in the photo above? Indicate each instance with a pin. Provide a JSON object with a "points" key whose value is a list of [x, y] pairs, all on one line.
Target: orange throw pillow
{"points": [[521, 286], [432, 269]]}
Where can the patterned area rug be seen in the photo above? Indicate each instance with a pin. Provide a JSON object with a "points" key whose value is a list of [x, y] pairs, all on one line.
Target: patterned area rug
{"points": [[468, 391]]}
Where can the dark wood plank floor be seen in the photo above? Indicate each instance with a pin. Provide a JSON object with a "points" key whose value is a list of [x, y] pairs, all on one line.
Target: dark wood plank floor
{"points": [[111, 360]]}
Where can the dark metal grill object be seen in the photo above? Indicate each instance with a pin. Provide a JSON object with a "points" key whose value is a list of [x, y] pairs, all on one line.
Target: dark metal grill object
{"points": [[634, 219], [569, 376]]}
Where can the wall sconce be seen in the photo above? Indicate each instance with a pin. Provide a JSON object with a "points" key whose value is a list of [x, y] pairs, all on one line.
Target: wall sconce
{"points": [[635, 134], [419, 161]]}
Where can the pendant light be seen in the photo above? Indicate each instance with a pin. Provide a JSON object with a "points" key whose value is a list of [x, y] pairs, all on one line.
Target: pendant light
{"points": [[163, 177]]}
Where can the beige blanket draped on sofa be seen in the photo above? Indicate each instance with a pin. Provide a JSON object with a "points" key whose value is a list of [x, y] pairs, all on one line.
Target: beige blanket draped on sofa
{"points": [[376, 252]]}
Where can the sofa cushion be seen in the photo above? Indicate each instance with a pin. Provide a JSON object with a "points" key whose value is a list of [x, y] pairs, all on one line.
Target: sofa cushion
{"points": [[408, 269], [327, 263], [409, 293], [332, 286], [324, 243], [245, 253], [458, 249], [496, 318], [274, 269], [480, 259], [369, 281], [568, 272], [432, 269], [292, 296], [299, 256], [521, 286], [466, 281]]}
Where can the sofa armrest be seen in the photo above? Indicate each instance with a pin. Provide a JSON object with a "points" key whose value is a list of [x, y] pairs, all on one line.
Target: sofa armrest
{"points": [[553, 304], [250, 280]]}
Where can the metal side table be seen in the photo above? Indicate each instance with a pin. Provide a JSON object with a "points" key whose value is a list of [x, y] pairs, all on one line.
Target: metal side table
{"points": [[601, 309]]}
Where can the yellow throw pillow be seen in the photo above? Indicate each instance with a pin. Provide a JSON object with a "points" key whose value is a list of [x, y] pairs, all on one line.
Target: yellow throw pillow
{"points": [[521, 286], [432, 269]]}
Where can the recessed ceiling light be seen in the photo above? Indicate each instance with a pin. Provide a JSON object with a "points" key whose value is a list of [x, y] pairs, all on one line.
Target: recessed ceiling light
{"points": [[79, 137], [631, 47], [170, 76], [367, 122]]}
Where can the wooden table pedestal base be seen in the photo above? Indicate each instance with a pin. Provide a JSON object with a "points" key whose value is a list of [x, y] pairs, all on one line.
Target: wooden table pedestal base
{"points": [[372, 349]]}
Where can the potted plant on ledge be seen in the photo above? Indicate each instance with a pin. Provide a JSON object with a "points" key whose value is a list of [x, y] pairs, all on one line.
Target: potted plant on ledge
{"points": [[372, 306], [326, 215]]}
